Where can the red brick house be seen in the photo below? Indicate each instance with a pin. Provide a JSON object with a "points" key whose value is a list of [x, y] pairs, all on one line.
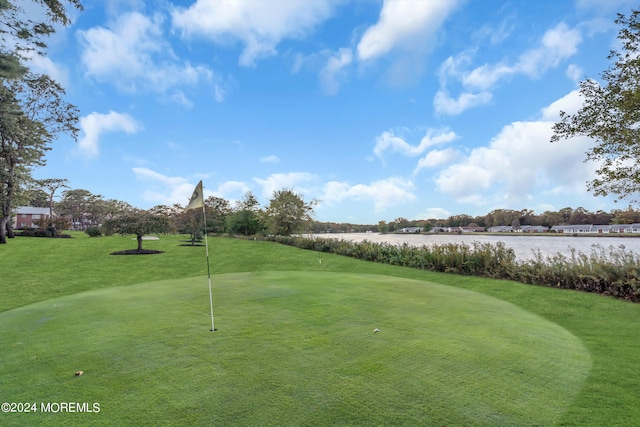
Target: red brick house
{"points": [[27, 216]]}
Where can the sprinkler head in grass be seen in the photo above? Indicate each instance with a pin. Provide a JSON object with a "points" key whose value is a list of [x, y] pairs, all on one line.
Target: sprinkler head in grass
{"points": [[376, 330]]}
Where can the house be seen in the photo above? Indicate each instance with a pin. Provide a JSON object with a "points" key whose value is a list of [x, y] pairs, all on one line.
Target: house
{"points": [[601, 229], [28, 216], [500, 229], [534, 229], [596, 229], [439, 229], [410, 230], [471, 229], [573, 229], [620, 228]]}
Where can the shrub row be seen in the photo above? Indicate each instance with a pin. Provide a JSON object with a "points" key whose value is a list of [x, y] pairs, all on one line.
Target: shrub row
{"points": [[613, 271], [37, 232]]}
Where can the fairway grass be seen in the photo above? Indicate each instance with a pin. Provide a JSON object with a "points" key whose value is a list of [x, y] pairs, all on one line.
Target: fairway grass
{"points": [[292, 348], [295, 342]]}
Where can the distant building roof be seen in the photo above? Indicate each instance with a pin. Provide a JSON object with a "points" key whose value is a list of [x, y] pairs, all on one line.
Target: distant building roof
{"points": [[26, 210]]}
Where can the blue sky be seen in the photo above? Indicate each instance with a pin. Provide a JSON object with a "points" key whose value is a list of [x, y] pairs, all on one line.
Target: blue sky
{"points": [[377, 109]]}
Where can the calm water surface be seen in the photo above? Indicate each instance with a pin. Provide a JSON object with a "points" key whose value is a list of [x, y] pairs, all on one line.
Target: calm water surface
{"points": [[523, 246]]}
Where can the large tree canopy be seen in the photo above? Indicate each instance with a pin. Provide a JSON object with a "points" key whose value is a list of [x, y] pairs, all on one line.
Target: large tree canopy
{"points": [[32, 115], [611, 116], [21, 37], [287, 212], [139, 223], [32, 111]]}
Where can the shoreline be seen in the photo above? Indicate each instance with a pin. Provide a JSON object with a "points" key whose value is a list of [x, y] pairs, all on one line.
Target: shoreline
{"points": [[479, 233]]}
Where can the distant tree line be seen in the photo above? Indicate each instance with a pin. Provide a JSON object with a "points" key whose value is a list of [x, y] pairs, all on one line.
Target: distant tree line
{"points": [[288, 213], [564, 216]]}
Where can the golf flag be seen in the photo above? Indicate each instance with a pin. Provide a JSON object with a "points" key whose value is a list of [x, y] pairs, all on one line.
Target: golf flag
{"points": [[196, 199]]}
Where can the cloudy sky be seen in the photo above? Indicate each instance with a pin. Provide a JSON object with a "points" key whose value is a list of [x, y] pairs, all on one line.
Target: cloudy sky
{"points": [[378, 109]]}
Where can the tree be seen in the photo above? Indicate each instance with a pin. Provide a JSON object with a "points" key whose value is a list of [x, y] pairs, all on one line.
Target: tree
{"points": [[217, 210], [32, 115], [139, 223], [628, 216], [77, 204], [38, 198], [52, 185], [21, 38], [32, 112], [610, 115], [246, 218], [581, 216], [113, 208], [287, 212]]}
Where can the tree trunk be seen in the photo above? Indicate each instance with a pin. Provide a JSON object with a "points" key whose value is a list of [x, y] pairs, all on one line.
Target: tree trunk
{"points": [[10, 233], [3, 229], [139, 242]]}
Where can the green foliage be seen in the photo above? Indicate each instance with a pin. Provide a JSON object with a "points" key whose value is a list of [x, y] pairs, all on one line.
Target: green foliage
{"points": [[287, 213], [615, 272], [610, 115], [191, 223], [42, 232], [246, 218], [32, 115], [217, 210], [22, 37], [32, 112], [93, 232], [138, 223]]}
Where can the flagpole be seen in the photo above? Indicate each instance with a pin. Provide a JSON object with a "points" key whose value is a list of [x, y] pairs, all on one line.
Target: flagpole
{"points": [[206, 244]]}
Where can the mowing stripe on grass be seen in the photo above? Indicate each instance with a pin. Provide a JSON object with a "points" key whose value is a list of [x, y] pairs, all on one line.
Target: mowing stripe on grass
{"points": [[293, 348]]}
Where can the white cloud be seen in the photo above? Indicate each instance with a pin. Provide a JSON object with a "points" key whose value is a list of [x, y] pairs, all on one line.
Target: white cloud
{"points": [[575, 73], [444, 104], [404, 24], [384, 193], [44, 65], [570, 104], [270, 159], [486, 76], [496, 34], [231, 190], [387, 141], [556, 45], [179, 97], [260, 25], [519, 161], [333, 71], [165, 190], [95, 124], [132, 55], [436, 158], [150, 175], [168, 190], [278, 181], [430, 213]]}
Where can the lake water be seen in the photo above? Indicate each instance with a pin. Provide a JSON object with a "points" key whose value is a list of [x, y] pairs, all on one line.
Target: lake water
{"points": [[523, 246]]}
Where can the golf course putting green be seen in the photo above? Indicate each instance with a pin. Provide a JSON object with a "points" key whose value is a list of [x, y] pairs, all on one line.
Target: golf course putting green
{"points": [[291, 348]]}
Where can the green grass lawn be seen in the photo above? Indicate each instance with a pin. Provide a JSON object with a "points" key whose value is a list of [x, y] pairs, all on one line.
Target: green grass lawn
{"points": [[295, 342]]}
